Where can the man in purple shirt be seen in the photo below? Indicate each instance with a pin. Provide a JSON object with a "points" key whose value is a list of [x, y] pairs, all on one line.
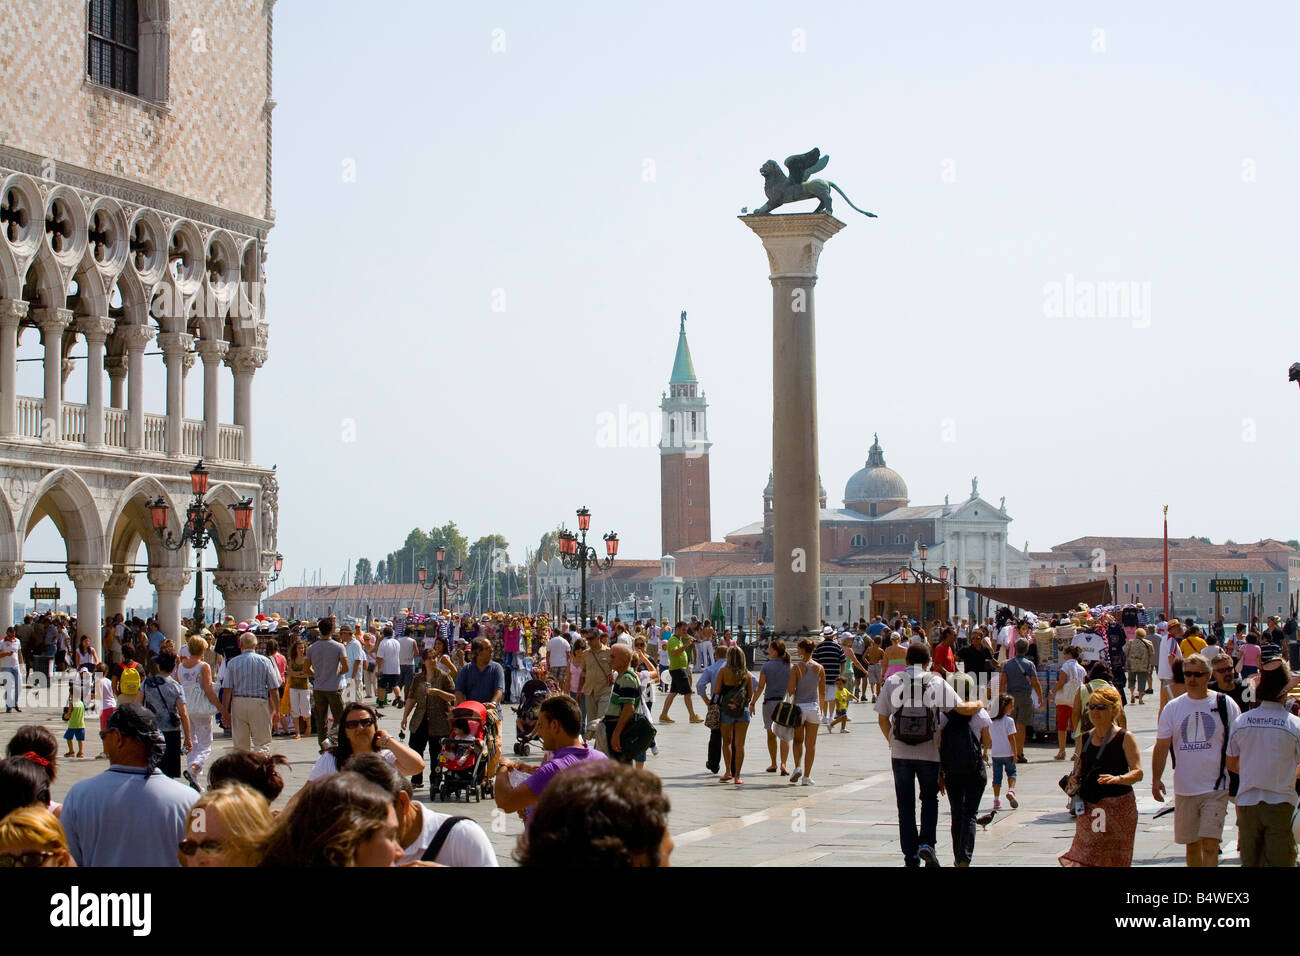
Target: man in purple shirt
{"points": [[559, 724]]}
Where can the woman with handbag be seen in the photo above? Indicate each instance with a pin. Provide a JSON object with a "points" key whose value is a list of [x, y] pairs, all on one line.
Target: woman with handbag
{"points": [[772, 681], [734, 688], [195, 677], [625, 720], [808, 687], [1101, 788]]}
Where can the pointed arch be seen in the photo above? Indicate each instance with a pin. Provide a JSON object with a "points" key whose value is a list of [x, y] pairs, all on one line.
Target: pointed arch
{"points": [[64, 497], [129, 524]]}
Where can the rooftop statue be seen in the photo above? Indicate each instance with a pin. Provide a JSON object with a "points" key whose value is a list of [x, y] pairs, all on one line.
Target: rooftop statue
{"points": [[781, 189]]}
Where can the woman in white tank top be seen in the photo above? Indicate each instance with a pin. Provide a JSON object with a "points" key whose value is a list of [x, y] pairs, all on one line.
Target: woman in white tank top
{"points": [[201, 701]]}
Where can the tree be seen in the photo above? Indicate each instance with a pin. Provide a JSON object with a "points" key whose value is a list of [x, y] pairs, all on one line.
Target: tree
{"points": [[381, 573], [1293, 543], [1195, 538], [363, 574], [548, 547]]}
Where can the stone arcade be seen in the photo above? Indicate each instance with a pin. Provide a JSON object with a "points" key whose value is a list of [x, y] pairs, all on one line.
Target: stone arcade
{"points": [[135, 207]]}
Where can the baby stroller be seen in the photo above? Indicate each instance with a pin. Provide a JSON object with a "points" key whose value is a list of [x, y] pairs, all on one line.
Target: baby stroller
{"points": [[530, 697], [462, 761]]}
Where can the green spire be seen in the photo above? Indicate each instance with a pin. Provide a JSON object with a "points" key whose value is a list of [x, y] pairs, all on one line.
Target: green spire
{"points": [[683, 367]]}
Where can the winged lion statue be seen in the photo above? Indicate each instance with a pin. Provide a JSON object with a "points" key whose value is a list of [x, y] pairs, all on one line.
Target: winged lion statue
{"points": [[781, 189]]}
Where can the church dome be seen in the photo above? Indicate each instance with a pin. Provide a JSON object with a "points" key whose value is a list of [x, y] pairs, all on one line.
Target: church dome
{"points": [[875, 482]]}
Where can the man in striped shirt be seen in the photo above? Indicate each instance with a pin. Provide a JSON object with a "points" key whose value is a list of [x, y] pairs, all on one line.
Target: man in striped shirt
{"points": [[830, 656], [250, 696]]}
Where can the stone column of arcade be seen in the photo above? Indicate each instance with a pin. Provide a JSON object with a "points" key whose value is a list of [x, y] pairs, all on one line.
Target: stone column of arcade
{"points": [[89, 581], [116, 588], [242, 590], [170, 583], [11, 573], [793, 244]]}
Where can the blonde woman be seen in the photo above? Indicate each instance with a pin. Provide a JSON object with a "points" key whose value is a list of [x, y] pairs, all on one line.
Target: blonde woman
{"points": [[1109, 765], [808, 685], [228, 826], [31, 836], [733, 688], [201, 701]]}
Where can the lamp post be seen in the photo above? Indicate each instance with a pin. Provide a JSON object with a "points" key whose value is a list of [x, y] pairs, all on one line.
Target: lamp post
{"points": [[923, 550], [200, 528], [455, 583], [943, 579], [903, 574], [577, 555]]}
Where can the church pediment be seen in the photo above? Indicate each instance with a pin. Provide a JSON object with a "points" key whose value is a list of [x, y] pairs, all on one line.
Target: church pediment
{"points": [[977, 509]]}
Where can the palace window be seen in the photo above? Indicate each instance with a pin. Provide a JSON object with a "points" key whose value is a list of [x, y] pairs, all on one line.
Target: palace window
{"points": [[901, 539], [113, 44], [1193, 587], [1180, 587], [873, 513], [858, 541]]}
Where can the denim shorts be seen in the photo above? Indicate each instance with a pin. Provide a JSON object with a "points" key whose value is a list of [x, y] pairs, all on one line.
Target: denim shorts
{"points": [[742, 719], [1003, 763]]}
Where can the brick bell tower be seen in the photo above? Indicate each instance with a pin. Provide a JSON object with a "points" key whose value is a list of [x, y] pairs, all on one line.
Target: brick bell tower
{"points": [[684, 456]]}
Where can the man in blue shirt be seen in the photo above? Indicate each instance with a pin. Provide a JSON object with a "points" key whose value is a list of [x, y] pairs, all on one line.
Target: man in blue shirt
{"points": [[131, 814], [483, 680], [156, 637]]}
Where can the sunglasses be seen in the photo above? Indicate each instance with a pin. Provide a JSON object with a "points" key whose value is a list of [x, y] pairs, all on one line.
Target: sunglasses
{"points": [[31, 858], [1196, 673], [1221, 670], [1098, 707], [191, 847], [359, 724]]}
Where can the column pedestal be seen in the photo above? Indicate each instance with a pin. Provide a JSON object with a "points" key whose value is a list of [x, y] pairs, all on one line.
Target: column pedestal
{"points": [[170, 584], [90, 581], [793, 244]]}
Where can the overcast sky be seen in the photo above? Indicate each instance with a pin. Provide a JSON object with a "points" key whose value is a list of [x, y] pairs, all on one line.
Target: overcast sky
{"points": [[489, 217]]}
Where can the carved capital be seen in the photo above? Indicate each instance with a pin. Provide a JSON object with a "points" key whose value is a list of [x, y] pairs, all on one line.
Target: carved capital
{"points": [[213, 350], [89, 576], [12, 311], [173, 342], [246, 361], [115, 366], [68, 366], [118, 584], [241, 585], [137, 337], [96, 328], [11, 572], [52, 321], [172, 580], [793, 242], [187, 361]]}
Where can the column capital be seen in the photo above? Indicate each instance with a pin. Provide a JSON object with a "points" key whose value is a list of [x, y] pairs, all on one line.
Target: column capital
{"points": [[68, 365], [12, 311], [793, 242], [52, 320], [118, 583], [115, 365], [241, 585], [89, 575], [11, 572], [172, 580], [137, 337], [213, 350], [171, 342], [96, 328], [188, 358], [245, 360]]}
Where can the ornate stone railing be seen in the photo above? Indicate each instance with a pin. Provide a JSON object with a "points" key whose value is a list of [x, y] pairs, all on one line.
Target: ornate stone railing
{"points": [[191, 438]]}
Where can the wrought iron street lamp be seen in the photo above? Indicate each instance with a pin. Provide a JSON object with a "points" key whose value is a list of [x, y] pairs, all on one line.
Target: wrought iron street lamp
{"points": [[454, 584], [279, 566], [576, 555], [200, 528]]}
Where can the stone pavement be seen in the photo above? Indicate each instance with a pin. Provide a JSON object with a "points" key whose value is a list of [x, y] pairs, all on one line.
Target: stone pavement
{"points": [[847, 819]]}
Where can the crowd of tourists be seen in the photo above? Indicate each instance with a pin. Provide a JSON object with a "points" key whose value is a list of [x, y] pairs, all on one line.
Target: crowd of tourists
{"points": [[953, 700]]}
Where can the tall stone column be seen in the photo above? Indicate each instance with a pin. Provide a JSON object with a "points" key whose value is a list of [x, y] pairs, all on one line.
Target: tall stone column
{"points": [[174, 346], [170, 584], [793, 244], [115, 591], [241, 590], [11, 573], [115, 365], [137, 337], [187, 363], [12, 312], [96, 329], [243, 363], [212, 352], [52, 323], [89, 581]]}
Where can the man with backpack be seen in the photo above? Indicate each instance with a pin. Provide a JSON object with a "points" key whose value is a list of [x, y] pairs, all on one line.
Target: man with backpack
{"points": [[908, 708], [1194, 729]]}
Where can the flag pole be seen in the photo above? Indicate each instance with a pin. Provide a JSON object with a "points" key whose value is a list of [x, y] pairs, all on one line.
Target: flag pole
{"points": [[1166, 586]]}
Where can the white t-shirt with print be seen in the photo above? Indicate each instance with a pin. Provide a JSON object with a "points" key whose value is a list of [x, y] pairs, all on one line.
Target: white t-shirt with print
{"points": [[1091, 645], [1196, 741], [1167, 646]]}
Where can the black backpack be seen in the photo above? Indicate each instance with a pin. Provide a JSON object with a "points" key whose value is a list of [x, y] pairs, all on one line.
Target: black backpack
{"points": [[915, 723], [959, 749]]}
